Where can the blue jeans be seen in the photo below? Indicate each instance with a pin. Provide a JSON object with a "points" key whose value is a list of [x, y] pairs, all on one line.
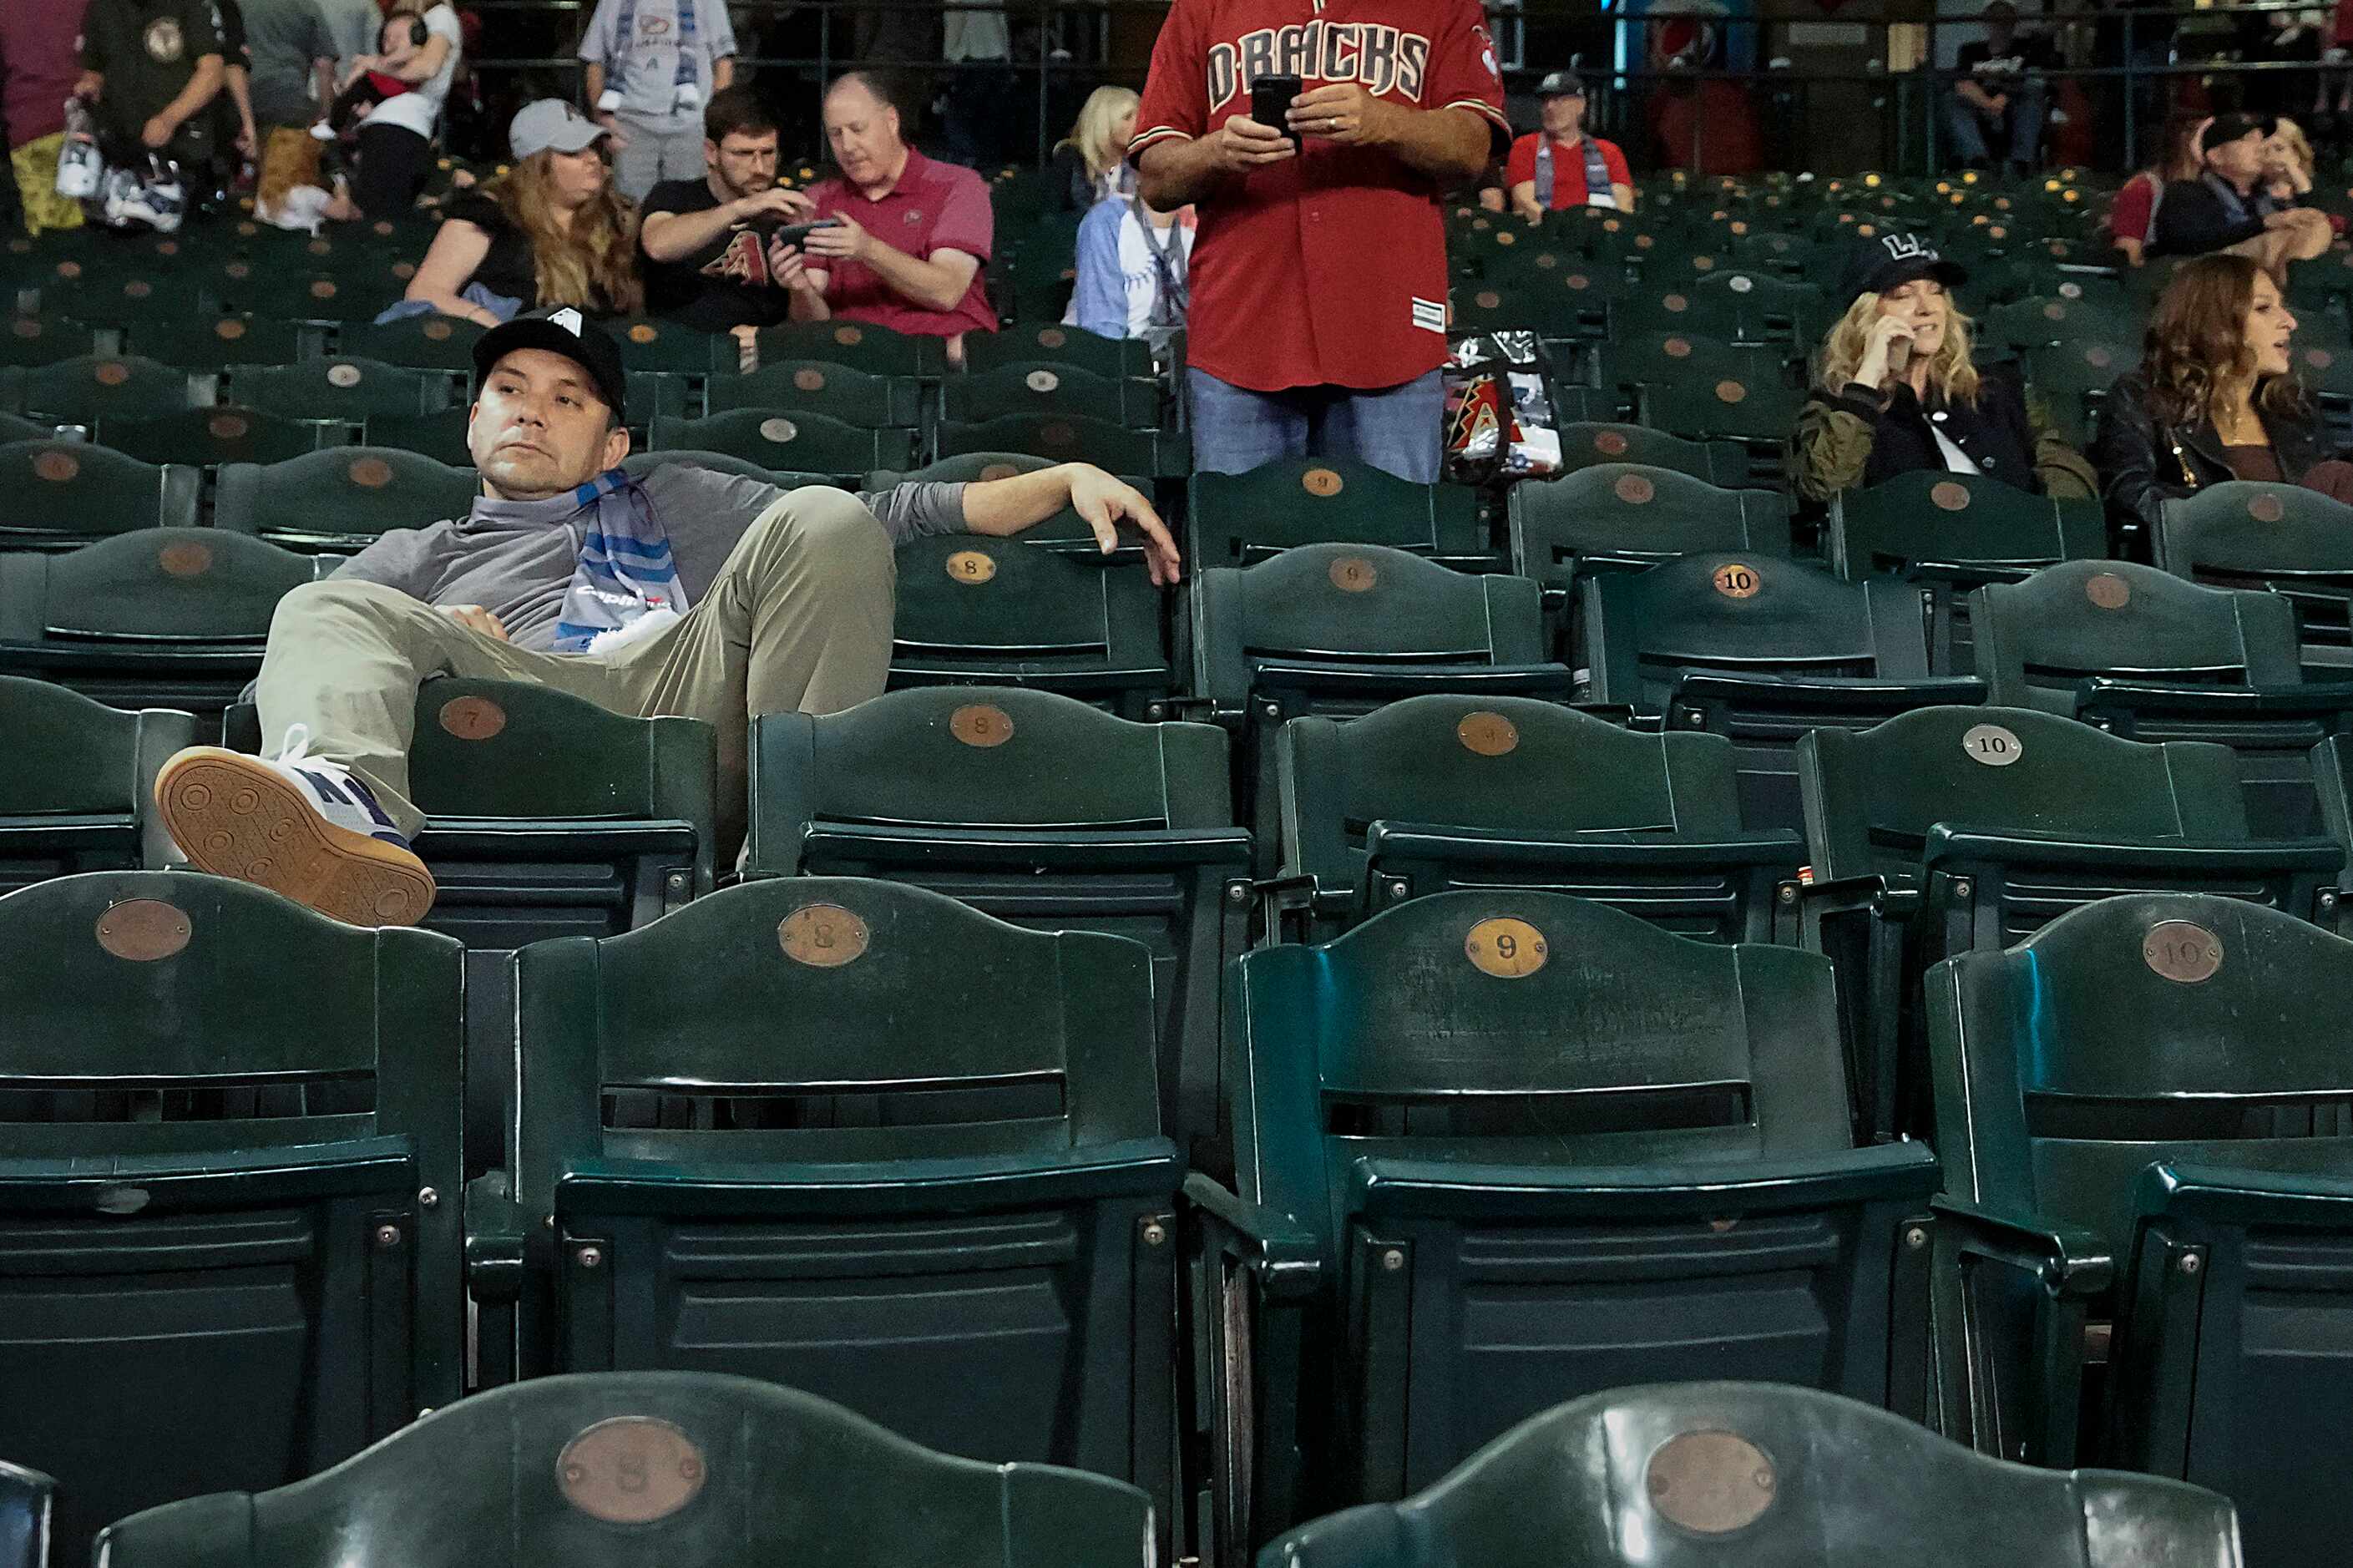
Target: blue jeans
{"points": [[1396, 428], [2019, 128]]}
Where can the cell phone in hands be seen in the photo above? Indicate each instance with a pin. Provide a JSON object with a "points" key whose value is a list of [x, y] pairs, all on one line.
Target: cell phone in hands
{"points": [[1271, 99], [1899, 355], [794, 233]]}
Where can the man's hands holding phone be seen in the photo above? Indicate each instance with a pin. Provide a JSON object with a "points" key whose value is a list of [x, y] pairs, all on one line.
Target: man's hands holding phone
{"points": [[1242, 144]]}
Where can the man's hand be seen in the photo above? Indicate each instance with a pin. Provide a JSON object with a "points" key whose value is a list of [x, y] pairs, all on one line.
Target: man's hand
{"points": [[1104, 502], [788, 269], [1343, 113], [475, 618], [848, 243], [1242, 144], [156, 134], [774, 202], [89, 87], [1996, 103]]}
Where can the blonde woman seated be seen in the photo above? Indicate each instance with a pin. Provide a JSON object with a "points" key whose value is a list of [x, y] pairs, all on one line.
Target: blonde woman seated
{"points": [[1091, 164], [1898, 392], [549, 231]]}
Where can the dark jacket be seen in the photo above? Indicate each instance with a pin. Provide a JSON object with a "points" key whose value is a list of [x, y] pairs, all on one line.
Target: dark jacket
{"points": [[2196, 216], [1851, 438], [2143, 467]]}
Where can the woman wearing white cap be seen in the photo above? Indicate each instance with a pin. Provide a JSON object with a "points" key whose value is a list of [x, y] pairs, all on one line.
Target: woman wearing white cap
{"points": [[549, 231]]}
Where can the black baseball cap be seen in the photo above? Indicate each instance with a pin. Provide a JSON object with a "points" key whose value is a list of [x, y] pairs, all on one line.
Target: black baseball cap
{"points": [[561, 329], [1889, 260], [1561, 84], [2231, 127]]}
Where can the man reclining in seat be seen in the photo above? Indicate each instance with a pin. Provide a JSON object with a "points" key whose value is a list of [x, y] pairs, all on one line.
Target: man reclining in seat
{"points": [[688, 592]]}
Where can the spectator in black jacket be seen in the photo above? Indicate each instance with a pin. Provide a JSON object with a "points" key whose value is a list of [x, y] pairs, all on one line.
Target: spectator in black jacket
{"points": [[2229, 207]]}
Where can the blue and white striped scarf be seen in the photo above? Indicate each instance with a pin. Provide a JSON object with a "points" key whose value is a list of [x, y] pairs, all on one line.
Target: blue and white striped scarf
{"points": [[626, 570]]}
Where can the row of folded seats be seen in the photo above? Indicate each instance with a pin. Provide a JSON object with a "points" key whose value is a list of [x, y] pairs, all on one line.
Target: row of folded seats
{"points": [[2006, 1093]]}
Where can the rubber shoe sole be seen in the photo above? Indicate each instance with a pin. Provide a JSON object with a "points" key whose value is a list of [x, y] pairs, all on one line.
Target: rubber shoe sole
{"points": [[234, 816]]}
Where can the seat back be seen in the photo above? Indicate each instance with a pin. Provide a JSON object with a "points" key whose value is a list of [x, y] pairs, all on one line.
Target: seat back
{"points": [[348, 389], [415, 343], [207, 342], [802, 443], [1672, 1475], [860, 345], [232, 1188], [1624, 514], [697, 1469], [78, 782], [1045, 388], [1238, 519], [1070, 437], [795, 387], [215, 438], [996, 611], [1053, 344], [1960, 528], [91, 387], [341, 498], [2296, 543], [1718, 462], [64, 494]]}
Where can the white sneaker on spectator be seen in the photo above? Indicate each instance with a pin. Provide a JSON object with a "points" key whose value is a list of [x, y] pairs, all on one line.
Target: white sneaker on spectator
{"points": [[297, 825]]}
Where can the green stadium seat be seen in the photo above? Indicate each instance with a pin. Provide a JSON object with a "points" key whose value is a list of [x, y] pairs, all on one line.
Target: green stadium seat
{"points": [[1340, 629], [1236, 520], [206, 343], [341, 500], [797, 387], [1058, 346], [804, 443], [996, 612], [1624, 516], [1044, 389], [1958, 530], [14, 427], [165, 618], [415, 343], [973, 1103], [1724, 402], [33, 340], [77, 784], [2296, 543], [1760, 650], [555, 1472], [2145, 1109], [1570, 302], [28, 1497], [640, 464], [211, 437], [2041, 322], [1729, 303], [1475, 1182], [232, 1188], [113, 297], [351, 390], [1701, 1473], [62, 495], [1440, 792], [441, 437], [1582, 446], [1037, 809], [1073, 439], [85, 390], [1950, 829], [2071, 378], [878, 350], [339, 297], [2148, 656]]}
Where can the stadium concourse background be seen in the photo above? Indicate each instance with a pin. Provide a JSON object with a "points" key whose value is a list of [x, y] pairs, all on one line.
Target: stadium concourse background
{"points": [[1237, 1050]]}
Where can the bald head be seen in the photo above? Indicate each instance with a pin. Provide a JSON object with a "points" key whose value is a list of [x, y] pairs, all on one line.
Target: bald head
{"points": [[861, 127]]}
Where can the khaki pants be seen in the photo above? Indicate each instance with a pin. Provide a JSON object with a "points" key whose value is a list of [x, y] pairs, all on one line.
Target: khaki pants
{"points": [[797, 620]]}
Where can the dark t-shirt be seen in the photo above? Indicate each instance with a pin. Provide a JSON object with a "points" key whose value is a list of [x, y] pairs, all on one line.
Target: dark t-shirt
{"points": [[507, 269], [723, 285], [147, 51], [2000, 72]]}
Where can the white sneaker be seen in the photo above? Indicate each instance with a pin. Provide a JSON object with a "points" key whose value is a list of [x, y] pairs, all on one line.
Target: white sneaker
{"points": [[297, 825]]}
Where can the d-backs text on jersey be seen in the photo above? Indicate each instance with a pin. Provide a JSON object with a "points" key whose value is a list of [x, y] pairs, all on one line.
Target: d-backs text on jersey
{"points": [[1385, 59]]}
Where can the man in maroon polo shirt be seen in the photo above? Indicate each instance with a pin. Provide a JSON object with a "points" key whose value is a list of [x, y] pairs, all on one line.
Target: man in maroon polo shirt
{"points": [[913, 233]]}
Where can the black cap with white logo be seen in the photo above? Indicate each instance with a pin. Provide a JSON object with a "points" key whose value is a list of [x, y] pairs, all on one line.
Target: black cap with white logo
{"points": [[1890, 260], [560, 330], [1561, 84]]}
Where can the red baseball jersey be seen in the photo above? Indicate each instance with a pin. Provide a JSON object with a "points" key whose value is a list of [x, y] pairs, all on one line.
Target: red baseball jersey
{"points": [[1329, 268]]}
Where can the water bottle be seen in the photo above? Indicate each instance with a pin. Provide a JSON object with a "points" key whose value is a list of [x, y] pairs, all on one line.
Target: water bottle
{"points": [[79, 165]]}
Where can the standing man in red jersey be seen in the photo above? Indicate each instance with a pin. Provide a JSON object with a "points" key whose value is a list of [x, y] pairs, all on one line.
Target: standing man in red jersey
{"points": [[1318, 316]]}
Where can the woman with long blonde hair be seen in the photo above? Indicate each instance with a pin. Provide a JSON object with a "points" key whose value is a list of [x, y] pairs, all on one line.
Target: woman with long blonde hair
{"points": [[552, 230], [1897, 390], [2214, 398], [1092, 161]]}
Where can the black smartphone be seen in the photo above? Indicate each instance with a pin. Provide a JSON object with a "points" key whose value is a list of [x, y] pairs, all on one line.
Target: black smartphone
{"points": [[1271, 99], [794, 233]]}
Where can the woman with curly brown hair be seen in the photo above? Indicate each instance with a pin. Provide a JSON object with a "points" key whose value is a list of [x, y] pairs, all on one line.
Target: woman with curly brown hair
{"points": [[2214, 398]]}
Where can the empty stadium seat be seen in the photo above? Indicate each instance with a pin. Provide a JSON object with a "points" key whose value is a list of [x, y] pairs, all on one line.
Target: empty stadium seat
{"points": [[2145, 1109], [1055, 345], [77, 783], [14, 427], [342, 499], [2295, 542], [207, 342], [1952, 829], [1044, 389], [165, 618], [1463, 1195], [37, 339], [415, 343], [232, 1197], [91, 387], [1962, 529], [1072, 437], [973, 1103], [1718, 462], [1699, 1473], [797, 387], [1761, 650], [441, 437], [61, 495], [696, 1470], [805, 443], [1037, 809], [1340, 629], [2144, 655], [1615, 516], [347, 390], [1234, 520], [213, 437], [998, 612], [2071, 378], [1439, 791], [860, 345]]}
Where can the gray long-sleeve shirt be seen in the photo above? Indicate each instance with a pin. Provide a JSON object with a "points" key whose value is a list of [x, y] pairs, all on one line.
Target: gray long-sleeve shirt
{"points": [[519, 571]]}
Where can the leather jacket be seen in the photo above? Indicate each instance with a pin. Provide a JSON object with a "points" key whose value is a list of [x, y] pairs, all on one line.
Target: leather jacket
{"points": [[2142, 467]]}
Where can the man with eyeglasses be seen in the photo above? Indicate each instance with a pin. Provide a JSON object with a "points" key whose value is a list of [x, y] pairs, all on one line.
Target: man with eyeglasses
{"points": [[712, 261]]}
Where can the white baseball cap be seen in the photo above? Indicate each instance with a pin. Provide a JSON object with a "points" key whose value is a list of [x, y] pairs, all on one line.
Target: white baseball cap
{"points": [[550, 123]]}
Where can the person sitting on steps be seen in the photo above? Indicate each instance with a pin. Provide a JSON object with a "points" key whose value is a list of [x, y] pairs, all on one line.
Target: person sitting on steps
{"points": [[686, 593]]}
